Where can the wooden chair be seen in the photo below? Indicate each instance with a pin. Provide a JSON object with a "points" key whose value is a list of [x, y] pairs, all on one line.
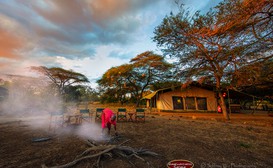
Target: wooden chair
{"points": [[56, 120], [98, 113], [122, 114], [140, 115], [85, 115]]}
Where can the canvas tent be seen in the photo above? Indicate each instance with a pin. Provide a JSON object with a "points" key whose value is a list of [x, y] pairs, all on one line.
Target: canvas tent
{"points": [[193, 97]]}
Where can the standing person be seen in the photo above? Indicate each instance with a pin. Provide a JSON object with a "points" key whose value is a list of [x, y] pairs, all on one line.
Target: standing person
{"points": [[219, 109], [108, 118]]}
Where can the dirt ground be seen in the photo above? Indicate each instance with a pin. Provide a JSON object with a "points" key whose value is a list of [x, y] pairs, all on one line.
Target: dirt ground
{"points": [[204, 139]]}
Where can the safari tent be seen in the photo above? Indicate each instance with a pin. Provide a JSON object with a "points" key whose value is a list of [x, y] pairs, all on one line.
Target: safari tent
{"points": [[192, 97]]}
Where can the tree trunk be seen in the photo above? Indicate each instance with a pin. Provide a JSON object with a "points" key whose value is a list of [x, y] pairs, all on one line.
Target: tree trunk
{"points": [[223, 106], [222, 100]]}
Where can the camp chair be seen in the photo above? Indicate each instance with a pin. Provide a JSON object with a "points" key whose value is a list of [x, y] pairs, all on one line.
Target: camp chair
{"points": [[122, 114], [56, 120], [140, 115], [98, 113], [85, 115]]}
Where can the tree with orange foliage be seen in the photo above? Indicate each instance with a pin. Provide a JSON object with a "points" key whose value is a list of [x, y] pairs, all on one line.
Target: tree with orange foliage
{"points": [[134, 78], [217, 44]]}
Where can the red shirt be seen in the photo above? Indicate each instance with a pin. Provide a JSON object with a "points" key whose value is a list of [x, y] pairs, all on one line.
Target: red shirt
{"points": [[106, 118]]}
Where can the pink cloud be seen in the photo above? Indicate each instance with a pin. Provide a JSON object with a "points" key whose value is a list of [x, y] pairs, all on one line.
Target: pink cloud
{"points": [[107, 9], [9, 44]]}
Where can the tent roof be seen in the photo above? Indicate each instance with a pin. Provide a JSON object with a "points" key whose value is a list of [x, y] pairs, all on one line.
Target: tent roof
{"points": [[149, 96], [233, 94]]}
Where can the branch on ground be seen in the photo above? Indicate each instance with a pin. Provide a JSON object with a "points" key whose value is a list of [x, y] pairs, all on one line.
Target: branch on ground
{"points": [[100, 151]]}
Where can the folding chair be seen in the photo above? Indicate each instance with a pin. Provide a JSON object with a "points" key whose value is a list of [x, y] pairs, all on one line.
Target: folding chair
{"points": [[56, 120], [85, 115], [98, 113], [140, 115], [122, 114]]}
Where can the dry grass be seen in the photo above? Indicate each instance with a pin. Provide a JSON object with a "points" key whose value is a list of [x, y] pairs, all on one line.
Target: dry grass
{"points": [[204, 139]]}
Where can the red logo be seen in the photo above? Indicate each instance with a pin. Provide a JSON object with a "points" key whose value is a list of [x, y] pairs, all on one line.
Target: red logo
{"points": [[180, 164]]}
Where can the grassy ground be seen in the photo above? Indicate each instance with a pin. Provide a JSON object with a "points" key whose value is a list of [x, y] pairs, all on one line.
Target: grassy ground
{"points": [[204, 139]]}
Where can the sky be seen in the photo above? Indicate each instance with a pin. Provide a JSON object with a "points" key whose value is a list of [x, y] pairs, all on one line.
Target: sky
{"points": [[86, 36]]}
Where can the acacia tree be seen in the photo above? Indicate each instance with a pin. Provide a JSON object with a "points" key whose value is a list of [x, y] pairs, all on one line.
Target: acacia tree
{"points": [[143, 71], [247, 15], [148, 69], [205, 45], [113, 85], [256, 79], [61, 78], [254, 18]]}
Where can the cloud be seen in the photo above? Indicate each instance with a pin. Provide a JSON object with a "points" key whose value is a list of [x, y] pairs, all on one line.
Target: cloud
{"points": [[9, 43], [88, 36], [55, 27], [97, 32], [95, 22], [11, 39]]}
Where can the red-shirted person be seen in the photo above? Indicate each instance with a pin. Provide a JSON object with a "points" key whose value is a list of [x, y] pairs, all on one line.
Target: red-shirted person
{"points": [[108, 118], [219, 109]]}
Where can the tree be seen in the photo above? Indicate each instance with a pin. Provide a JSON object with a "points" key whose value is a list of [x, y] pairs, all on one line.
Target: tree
{"points": [[254, 18], [149, 69], [81, 93], [256, 79], [61, 78], [206, 47], [113, 85], [143, 71], [248, 15]]}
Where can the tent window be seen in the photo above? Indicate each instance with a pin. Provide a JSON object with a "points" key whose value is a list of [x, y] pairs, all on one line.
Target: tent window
{"points": [[190, 103], [201, 103], [177, 102]]}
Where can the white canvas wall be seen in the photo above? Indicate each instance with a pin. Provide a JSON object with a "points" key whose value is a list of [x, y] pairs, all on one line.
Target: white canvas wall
{"points": [[164, 100]]}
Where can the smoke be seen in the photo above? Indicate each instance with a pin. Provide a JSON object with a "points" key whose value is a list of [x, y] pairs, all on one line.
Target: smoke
{"points": [[91, 131], [33, 101], [30, 97]]}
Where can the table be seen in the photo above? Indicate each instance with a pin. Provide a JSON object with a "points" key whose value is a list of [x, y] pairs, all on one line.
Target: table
{"points": [[131, 114]]}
